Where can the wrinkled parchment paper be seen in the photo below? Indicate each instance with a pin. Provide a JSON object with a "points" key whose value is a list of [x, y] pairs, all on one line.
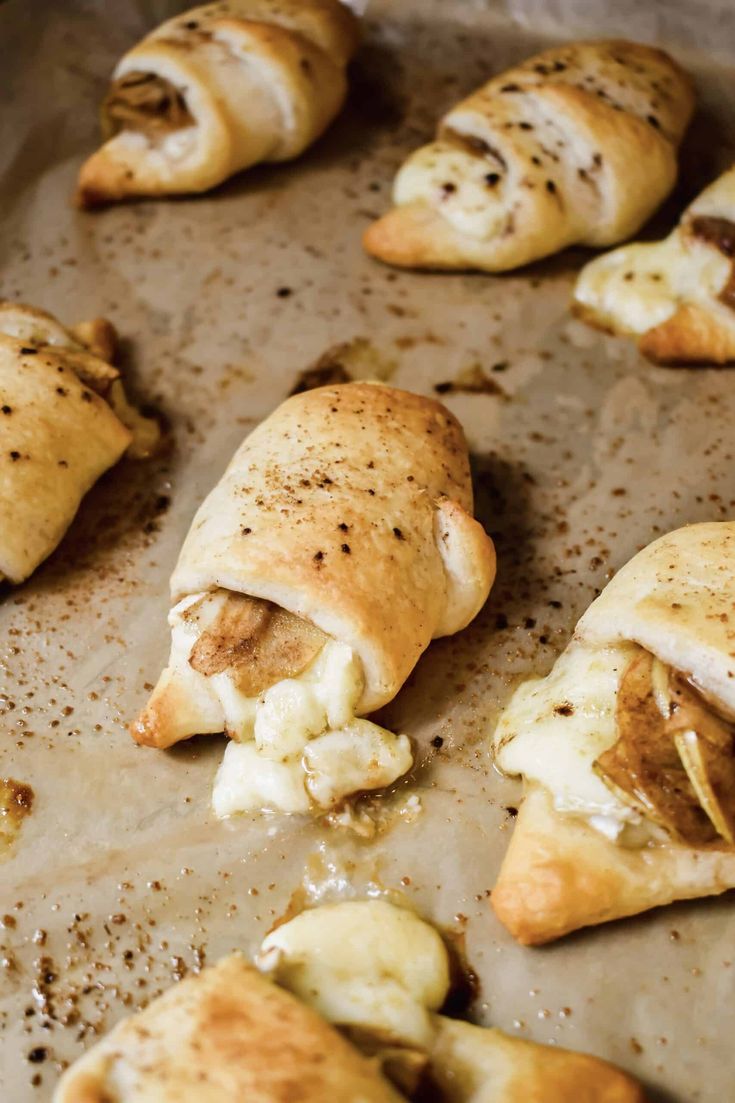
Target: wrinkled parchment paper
{"points": [[119, 882]]}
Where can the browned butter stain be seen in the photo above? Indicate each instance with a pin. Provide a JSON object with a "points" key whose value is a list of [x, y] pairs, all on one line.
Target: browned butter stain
{"points": [[472, 380], [343, 363], [16, 802]]}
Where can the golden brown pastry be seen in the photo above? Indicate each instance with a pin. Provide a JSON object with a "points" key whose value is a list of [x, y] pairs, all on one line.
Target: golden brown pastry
{"points": [[225, 1036], [379, 975], [676, 296], [216, 90], [64, 420], [628, 748], [577, 145], [339, 542], [382, 975]]}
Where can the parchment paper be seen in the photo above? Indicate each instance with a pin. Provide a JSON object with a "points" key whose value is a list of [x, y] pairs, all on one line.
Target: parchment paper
{"points": [[119, 882]]}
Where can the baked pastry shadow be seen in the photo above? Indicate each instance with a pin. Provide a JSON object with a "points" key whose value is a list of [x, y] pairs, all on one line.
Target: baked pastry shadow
{"points": [[117, 518], [456, 665]]}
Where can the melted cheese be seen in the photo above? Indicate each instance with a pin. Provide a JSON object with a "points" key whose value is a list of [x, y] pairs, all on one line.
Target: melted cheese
{"points": [[455, 183], [640, 286], [299, 744], [555, 727], [363, 963]]}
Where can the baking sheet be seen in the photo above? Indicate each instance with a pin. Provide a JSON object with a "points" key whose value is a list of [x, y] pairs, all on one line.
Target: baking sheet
{"points": [[118, 881]]}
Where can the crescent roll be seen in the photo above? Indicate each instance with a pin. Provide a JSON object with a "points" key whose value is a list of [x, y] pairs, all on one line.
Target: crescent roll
{"points": [[223, 1036], [64, 420], [676, 296], [628, 748], [339, 542], [576, 146], [216, 90], [349, 1012]]}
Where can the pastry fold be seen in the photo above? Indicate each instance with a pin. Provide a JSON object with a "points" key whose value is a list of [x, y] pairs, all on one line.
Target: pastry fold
{"points": [[675, 599], [559, 874], [58, 429], [676, 296], [577, 145], [216, 90], [620, 815], [351, 508]]}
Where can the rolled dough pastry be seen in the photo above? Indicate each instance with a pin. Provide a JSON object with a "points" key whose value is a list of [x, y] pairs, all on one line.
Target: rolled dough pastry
{"points": [[352, 1016], [339, 542], [620, 815], [676, 296], [216, 90], [574, 146], [64, 420], [225, 1036]]}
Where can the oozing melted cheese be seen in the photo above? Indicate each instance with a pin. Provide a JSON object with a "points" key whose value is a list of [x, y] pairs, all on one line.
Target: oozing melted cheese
{"points": [[363, 963], [455, 183], [640, 286], [299, 744], [555, 727], [383, 973]]}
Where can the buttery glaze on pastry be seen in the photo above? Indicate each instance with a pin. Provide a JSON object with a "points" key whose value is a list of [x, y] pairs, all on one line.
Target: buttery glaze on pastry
{"points": [[577, 145], [64, 421], [216, 90], [628, 748], [676, 296], [339, 542], [350, 1013]]}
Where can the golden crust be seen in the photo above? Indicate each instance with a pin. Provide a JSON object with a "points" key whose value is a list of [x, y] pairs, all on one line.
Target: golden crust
{"points": [[675, 598], [415, 235], [99, 336], [559, 874], [56, 438], [227, 1034], [623, 108], [349, 506], [693, 335], [242, 114], [685, 283], [501, 1069]]}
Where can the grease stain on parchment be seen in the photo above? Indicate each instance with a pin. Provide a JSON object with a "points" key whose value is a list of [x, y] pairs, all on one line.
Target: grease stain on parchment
{"points": [[16, 803], [343, 363]]}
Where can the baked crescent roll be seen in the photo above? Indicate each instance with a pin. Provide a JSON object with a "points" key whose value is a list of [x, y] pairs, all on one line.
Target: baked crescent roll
{"points": [[382, 975], [64, 420], [224, 1036], [350, 1014], [676, 296], [628, 748], [216, 90], [339, 542], [577, 145]]}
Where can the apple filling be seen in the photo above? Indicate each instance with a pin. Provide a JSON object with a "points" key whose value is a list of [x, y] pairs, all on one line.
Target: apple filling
{"points": [[287, 695], [674, 757], [628, 743], [147, 103]]}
